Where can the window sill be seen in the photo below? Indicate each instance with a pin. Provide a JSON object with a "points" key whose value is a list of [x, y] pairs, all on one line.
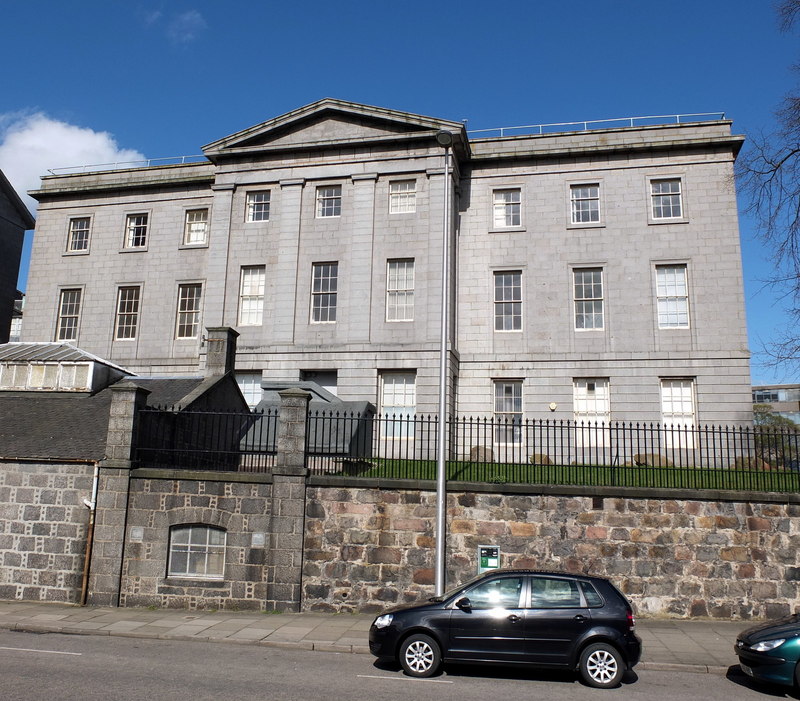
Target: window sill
{"points": [[185, 246], [137, 249], [205, 582], [587, 225], [76, 253], [661, 222], [508, 230]]}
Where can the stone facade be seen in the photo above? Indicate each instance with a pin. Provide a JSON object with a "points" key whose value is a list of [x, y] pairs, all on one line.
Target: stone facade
{"points": [[366, 151], [682, 557], [43, 525]]}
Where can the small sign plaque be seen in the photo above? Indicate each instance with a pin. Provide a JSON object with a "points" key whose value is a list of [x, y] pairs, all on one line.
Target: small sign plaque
{"points": [[488, 558]]}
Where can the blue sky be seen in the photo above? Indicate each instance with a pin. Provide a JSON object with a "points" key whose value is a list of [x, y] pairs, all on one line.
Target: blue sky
{"points": [[95, 81]]}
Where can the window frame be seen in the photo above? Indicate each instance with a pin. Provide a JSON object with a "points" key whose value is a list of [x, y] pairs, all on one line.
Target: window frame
{"points": [[400, 425], [256, 298], [119, 315], [500, 209], [651, 199], [579, 303], [591, 422], [252, 207], [501, 305], [206, 548], [72, 231], [572, 189], [325, 201], [674, 422], [501, 415], [397, 312], [197, 312], [403, 201], [61, 316], [131, 234], [663, 300], [330, 293], [187, 227]]}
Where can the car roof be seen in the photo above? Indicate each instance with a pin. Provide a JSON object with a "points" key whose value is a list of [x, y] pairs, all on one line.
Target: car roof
{"points": [[548, 573]]}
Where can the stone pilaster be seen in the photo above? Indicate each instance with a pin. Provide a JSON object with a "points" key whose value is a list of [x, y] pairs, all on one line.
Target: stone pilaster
{"points": [[112, 496], [287, 521]]}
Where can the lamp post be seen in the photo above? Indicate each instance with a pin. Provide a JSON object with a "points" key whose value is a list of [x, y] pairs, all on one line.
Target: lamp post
{"points": [[445, 139]]}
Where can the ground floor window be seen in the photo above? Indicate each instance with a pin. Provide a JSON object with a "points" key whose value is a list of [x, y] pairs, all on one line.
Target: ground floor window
{"points": [[678, 413], [196, 551], [398, 404], [508, 411], [592, 410]]}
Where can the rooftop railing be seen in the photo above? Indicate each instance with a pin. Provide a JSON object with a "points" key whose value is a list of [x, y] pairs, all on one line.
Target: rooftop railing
{"points": [[117, 165], [588, 125]]}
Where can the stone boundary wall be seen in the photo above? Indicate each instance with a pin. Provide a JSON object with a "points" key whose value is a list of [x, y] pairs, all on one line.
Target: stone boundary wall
{"points": [[368, 548], [239, 504], [43, 524]]}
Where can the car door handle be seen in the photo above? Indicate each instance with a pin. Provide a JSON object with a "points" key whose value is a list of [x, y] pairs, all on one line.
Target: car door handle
{"points": [[580, 618], [513, 618]]}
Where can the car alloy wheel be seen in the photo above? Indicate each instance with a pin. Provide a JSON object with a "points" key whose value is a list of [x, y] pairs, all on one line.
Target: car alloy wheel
{"points": [[420, 656], [601, 666]]}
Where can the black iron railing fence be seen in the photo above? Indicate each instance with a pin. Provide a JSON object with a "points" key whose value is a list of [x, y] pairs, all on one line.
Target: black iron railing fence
{"points": [[529, 451], [206, 440]]}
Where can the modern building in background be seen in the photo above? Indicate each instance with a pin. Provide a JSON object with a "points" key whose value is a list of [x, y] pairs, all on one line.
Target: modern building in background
{"points": [[783, 400], [595, 274], [15, 219]]}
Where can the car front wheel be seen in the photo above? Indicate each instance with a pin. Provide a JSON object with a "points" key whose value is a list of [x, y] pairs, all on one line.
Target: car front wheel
{"points": [[602, 666], [420, 656]]}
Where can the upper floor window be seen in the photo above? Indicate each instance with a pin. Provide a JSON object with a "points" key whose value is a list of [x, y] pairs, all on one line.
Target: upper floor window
{"points": [[666, 198], [251, 295], [69, 312], [588, 292], [508, 301], [196, 551], [127, 318], [400, 290], [195, 230], [136, 231], [78, 239], [324, 290], [585, 203], [258, 206], [672, 297], [506, 206], [329, 201], [188, 322], [403, 197]]}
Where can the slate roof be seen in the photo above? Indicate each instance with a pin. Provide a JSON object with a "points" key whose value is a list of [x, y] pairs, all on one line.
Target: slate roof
{"points": [[60, 425], [167, 391]]}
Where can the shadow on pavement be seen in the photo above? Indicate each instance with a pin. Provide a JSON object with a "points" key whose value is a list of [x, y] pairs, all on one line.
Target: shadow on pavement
{"points": [[738, 677]]}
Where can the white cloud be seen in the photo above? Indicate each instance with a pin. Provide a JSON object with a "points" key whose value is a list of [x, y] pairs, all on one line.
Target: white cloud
{"points": [[186, 27], [32, 144]]}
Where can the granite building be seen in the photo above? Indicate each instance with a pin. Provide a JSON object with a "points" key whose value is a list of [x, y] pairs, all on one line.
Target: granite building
{"points": [[595, 274]]}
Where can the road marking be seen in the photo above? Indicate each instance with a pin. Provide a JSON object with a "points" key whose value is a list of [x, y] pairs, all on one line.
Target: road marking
{"points": [[45, 652], [404, 679]]}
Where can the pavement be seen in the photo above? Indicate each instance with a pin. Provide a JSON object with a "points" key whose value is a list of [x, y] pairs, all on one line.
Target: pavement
{"points": [[692, 646]]}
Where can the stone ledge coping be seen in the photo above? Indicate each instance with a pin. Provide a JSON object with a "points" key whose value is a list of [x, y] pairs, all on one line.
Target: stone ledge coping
{"points": [[560, 490], [201, 475]]}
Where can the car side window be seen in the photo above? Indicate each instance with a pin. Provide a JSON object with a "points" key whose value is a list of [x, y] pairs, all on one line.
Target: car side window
{"points": [[549, 593], [593, 599], [503, 592]]}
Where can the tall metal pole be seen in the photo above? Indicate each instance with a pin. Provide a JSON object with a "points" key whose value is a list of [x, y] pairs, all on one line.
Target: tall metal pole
{"points": [[445, 138]]}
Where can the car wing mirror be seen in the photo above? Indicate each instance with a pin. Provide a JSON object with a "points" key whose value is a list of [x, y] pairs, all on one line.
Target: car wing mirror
{"points": [[464, 604]]}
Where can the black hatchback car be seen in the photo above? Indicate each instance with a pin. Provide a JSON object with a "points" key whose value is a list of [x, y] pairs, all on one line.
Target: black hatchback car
{"points": [[548, 620]]}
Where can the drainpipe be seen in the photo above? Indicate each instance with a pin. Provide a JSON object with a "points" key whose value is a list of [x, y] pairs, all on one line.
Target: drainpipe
{"points": [[92, 506]]}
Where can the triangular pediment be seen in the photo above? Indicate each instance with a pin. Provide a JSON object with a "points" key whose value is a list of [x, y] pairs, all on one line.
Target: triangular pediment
{"points": [[329, 122]]}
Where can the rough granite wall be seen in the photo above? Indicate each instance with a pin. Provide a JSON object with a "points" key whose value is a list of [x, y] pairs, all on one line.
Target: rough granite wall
{"points": [[367, 549], [43, 530], [241, 508]]}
